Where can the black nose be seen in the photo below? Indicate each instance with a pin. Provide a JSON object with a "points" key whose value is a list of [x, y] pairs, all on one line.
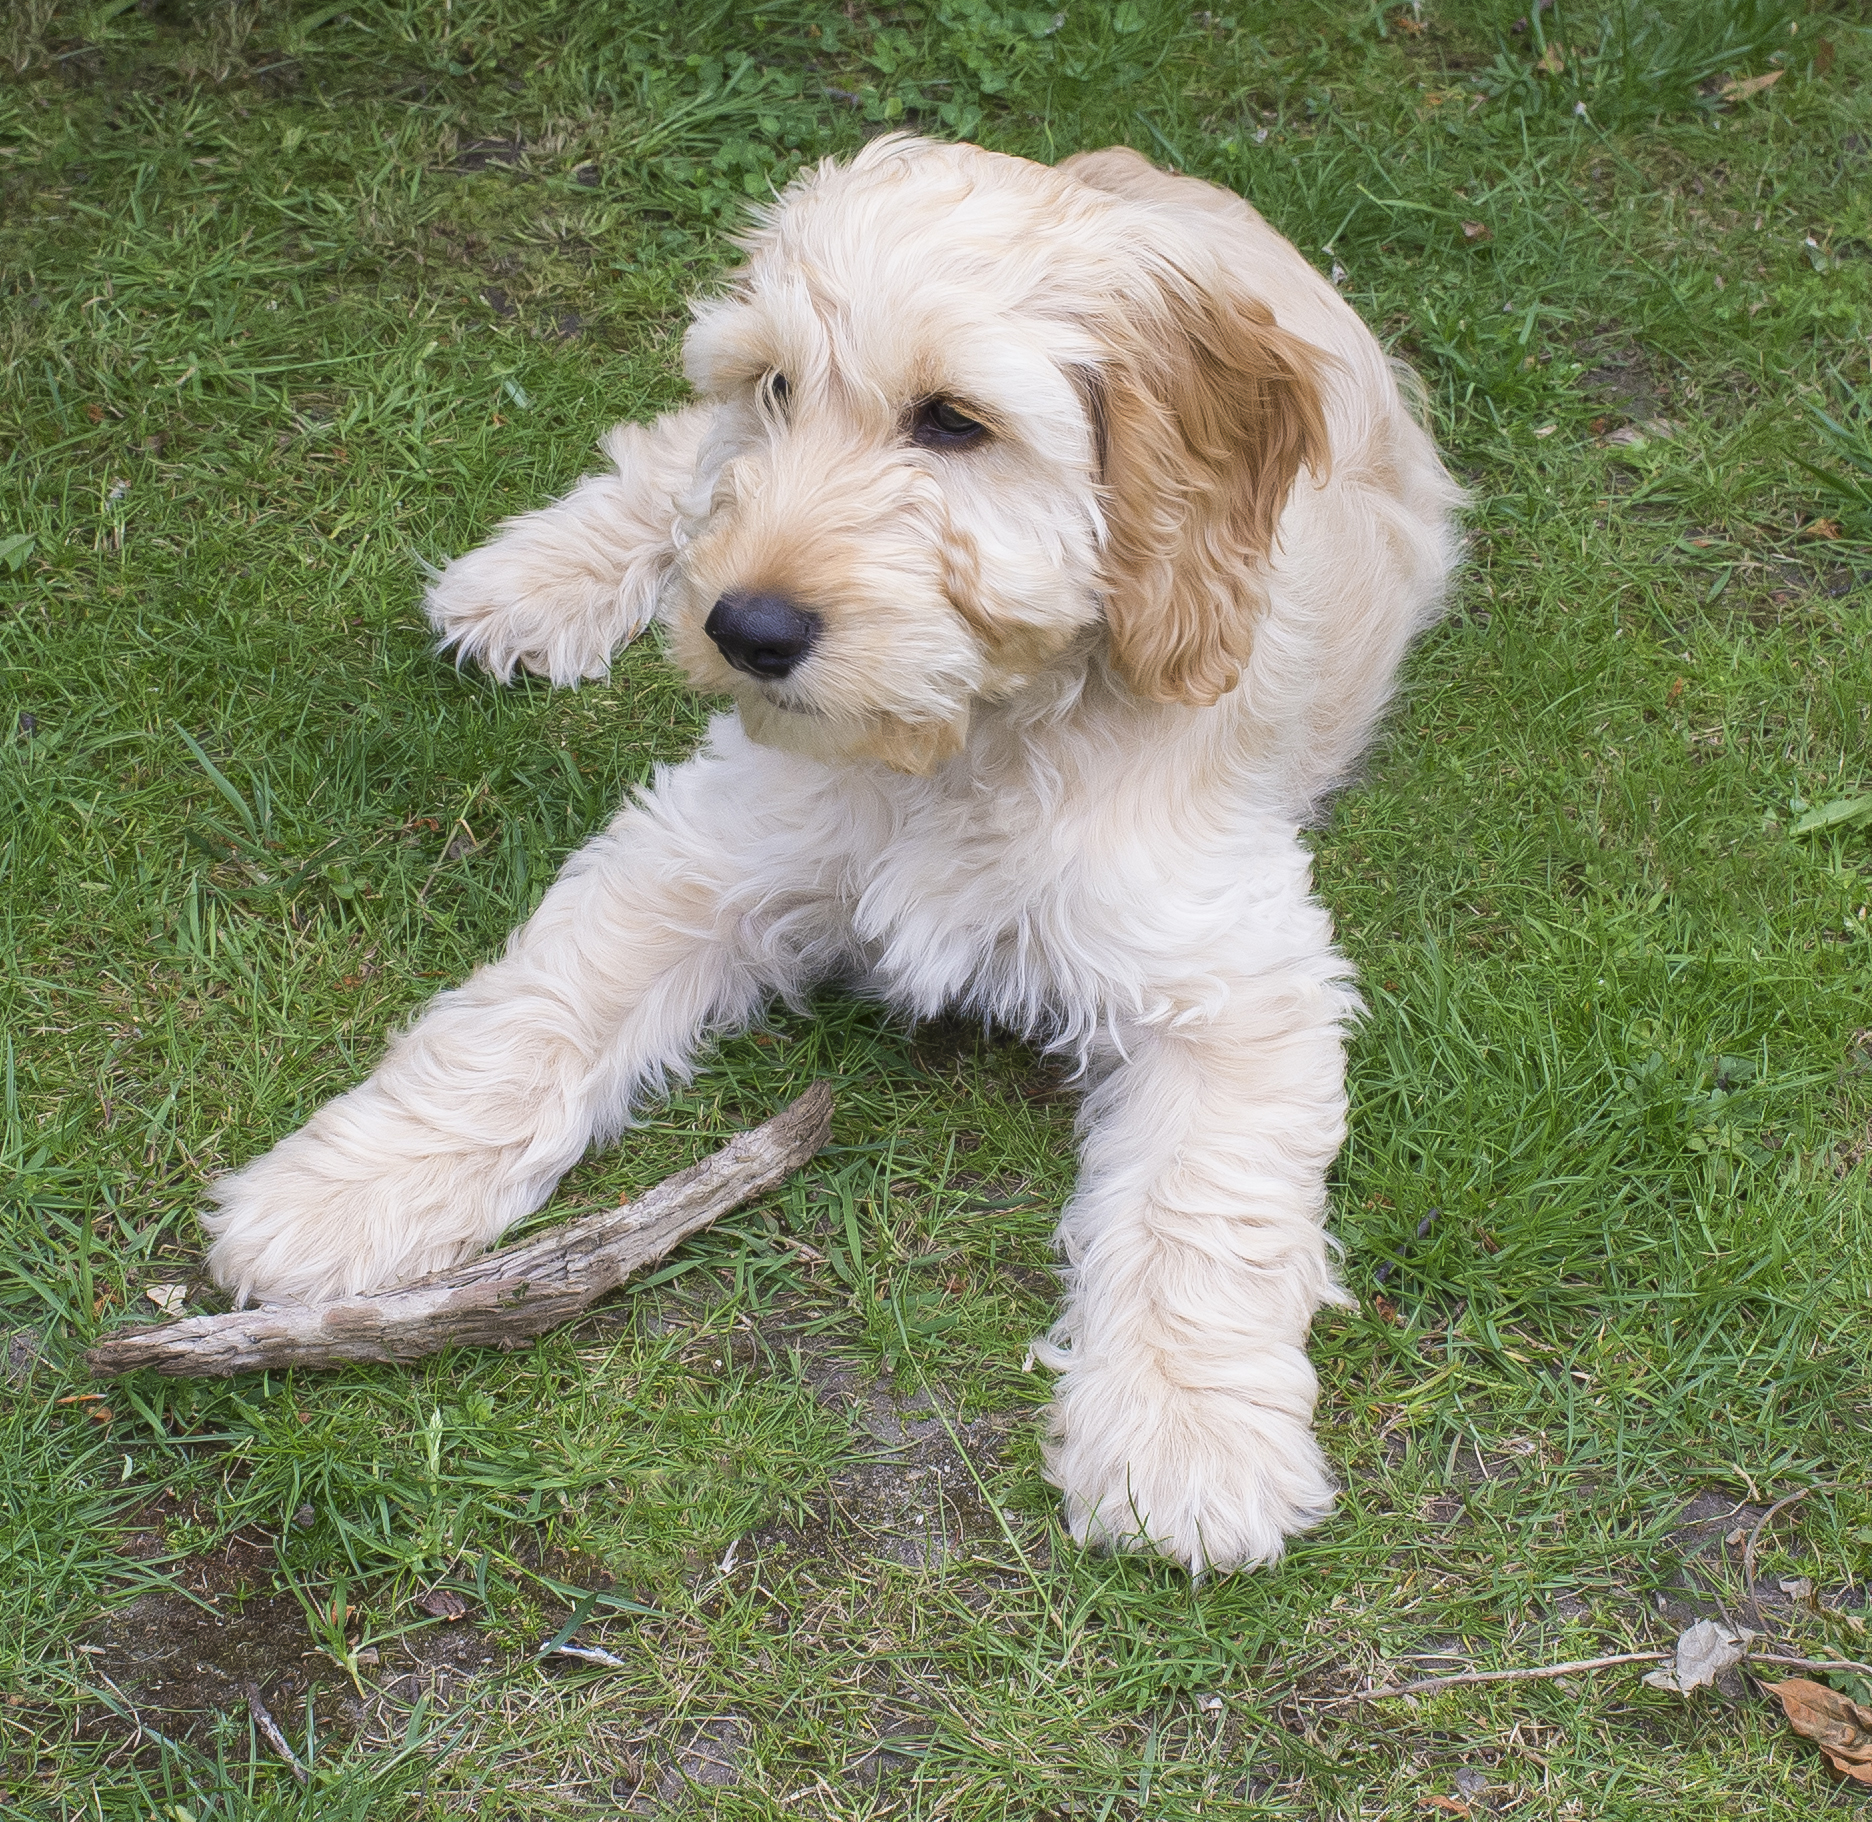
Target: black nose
{"points": [[764, 635]]}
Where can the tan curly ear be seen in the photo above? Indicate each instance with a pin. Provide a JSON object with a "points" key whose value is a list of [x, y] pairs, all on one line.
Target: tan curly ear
{"points": [[1204, 414]]}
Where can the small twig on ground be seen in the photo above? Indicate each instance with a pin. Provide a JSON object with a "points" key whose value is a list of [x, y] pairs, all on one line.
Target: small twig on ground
{"points": [[1754, 1538], [1510, 1676], [1541, 1672], [586, 1654], [270, 1732], [1781, 1663]]}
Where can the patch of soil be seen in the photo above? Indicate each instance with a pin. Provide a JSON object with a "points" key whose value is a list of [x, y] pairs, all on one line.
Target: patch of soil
{"points": [[281, 80], [478, 154], [1709, 1539], [709, 1755], [950, 1043], [1620, 375], [182, 1664], [678, 1772], [1518, 1458], [1706, 1521], [1038, 1281], [20, 1356], [898, 1740], [1782, 590], [182, 1656], [437, 1662], [909, 1495], [179, 1657]]}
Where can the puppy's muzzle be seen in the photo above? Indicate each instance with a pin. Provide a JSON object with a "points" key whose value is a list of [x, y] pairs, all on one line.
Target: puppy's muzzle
{"points": [[763, 635]]}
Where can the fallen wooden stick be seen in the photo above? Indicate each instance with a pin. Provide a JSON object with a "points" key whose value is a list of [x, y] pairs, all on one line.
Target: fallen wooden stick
{"points": [[498, 1300]]}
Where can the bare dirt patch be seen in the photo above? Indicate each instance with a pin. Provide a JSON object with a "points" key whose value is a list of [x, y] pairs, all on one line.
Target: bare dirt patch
{"points": [[709, 1756], [909, 1494], [1621, 376], [176, 1658], [478, 154]]}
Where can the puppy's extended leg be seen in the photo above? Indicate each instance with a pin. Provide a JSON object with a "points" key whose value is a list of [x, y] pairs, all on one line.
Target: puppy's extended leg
{"points": [[559, 590], [1197, 1254], [662, 928]]}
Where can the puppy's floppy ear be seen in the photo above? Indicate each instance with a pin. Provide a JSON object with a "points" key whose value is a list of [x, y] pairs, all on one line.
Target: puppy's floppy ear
{"points": [[1204, 413]]}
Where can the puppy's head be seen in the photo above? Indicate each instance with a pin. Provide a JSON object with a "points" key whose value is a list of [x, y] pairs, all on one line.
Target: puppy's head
{"points": [[977, 418]]}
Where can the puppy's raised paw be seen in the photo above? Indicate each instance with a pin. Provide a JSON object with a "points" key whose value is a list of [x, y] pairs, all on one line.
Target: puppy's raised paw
{"points": [[524, 603]]}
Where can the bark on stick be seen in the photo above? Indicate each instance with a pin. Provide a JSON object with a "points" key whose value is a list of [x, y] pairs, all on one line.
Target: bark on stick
{"points": [[497, 1300]]}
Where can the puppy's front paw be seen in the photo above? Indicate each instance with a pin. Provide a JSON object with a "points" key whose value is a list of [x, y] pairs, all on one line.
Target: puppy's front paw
{"points": [[520, 604], [351, 1203], [1215, 1479]]}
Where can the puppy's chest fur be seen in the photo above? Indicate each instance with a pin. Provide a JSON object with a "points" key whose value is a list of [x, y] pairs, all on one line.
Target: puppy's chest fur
{"points": [[1003, 886]]}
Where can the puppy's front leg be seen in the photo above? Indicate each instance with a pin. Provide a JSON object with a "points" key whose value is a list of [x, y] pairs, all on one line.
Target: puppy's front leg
{"points": [[1197, 1253], [648, 940], [559, 590]]}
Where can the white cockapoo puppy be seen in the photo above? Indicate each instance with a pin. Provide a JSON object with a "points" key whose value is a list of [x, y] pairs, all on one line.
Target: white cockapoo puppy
{"points": [[1057, 533]]}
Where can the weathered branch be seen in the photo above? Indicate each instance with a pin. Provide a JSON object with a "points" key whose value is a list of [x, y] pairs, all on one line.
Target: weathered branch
{"points": [[498, 1300]]}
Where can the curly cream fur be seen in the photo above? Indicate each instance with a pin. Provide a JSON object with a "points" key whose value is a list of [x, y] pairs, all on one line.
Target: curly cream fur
{"points": [[1076, 691]]}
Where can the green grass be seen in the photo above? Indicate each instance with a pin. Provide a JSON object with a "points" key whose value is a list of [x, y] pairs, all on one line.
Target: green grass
{"points": [[295, 297]]}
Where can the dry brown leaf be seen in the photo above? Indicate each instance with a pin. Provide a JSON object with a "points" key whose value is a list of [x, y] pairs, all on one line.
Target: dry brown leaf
{"points": [[1451, 1804], [444, 1604], [1835, 1723], [1750, 85], [1821, 528], [1477, 230], [1552, 59]]}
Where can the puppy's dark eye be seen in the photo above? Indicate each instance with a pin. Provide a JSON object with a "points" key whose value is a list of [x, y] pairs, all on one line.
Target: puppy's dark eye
{"points": [[777, 389], [937, 424]]}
